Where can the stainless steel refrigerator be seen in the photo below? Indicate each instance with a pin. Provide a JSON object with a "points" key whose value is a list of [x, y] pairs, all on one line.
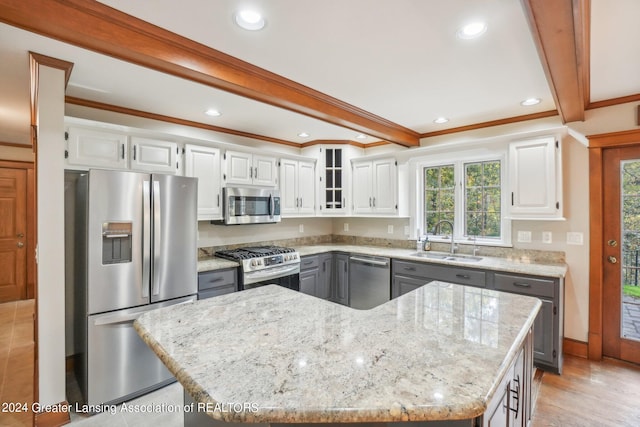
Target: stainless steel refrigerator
{"points": [[133, 237]]}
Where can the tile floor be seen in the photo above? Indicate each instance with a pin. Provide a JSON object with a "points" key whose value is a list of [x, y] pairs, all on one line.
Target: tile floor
{"points": [[17, 360]]}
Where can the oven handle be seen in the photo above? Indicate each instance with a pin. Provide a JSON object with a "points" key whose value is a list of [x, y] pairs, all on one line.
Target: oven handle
{"points": [[270, 273]]}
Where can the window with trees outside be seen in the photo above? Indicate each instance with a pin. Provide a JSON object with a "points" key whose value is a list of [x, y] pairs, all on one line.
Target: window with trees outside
{"points": [[469, 195]]}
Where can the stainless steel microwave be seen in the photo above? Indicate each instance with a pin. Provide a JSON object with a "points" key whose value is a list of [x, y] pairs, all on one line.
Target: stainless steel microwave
{"points": [[250, 205]]}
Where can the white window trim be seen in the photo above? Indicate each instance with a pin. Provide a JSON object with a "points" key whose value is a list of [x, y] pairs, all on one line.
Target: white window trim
{"points": [[458, 227]]}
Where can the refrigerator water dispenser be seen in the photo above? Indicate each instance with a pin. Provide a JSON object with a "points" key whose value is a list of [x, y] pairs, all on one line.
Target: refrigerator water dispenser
{"points": [[116, 242]]}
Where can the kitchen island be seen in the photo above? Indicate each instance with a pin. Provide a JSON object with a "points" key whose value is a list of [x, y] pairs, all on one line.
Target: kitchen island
{"points": [[442, 353]]}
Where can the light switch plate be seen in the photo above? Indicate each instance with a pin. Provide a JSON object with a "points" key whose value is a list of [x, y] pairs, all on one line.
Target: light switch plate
{"points": [[575, 238], [547, 237], [345, 227], [524, 236], [406, 230], [390, 229], [301, 228]]}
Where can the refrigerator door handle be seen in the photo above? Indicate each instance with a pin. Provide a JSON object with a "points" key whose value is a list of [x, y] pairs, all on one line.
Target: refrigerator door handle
{"points": [[157, 237], [118, 318], [146, 239]]}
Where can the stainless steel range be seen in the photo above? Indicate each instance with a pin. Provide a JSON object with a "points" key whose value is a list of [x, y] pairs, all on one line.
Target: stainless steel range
{"points": [[264, 265]]}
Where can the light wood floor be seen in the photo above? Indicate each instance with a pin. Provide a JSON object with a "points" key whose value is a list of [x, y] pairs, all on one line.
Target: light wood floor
{"points": [[588, 393], [17, 360], [602, 394]]}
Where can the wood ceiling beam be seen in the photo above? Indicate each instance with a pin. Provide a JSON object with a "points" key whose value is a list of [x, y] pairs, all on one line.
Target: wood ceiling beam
{"points": [[97, 27], [561, 33]]}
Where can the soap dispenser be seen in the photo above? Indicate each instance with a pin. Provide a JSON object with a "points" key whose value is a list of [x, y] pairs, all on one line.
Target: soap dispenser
{"points": [[426, 246]]}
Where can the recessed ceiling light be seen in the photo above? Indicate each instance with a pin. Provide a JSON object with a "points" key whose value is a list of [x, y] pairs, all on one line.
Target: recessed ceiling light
{"points": [[249, 19], [471, 31], [441, 120], [361, 136], [213, 113], [303, 135], [530, 101]]}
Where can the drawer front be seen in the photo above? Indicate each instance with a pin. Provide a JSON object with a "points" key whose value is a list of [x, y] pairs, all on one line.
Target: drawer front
{"points": [[309, 262], [218, 290], [451, 274], [461, 276], [216, 279], [524, 285]]}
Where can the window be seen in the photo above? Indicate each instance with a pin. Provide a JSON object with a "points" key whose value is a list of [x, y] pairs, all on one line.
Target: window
{"points": [[468, 194], [482, 199]]}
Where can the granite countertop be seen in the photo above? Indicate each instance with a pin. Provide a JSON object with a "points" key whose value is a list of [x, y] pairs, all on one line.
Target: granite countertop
{"points": [[509, 265], [436, 353], [487, 263]]}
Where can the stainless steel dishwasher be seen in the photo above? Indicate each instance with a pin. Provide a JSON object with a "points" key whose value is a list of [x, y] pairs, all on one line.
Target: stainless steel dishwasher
{"points": [[369, 281]]}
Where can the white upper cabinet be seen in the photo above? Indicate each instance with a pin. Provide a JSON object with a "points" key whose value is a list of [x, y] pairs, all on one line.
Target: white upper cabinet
{"points": [[250, 169], [375, 187], [204, 163], [93, 148], [535, 179], [297, 187], [152, 155]]}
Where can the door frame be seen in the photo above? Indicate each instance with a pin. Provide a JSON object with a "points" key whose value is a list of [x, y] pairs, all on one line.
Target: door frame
{"points": [[597, 145], [29, 167]]}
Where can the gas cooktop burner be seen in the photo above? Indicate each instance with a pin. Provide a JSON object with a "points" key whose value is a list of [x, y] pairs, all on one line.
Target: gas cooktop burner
{"points": [[253, 252]]}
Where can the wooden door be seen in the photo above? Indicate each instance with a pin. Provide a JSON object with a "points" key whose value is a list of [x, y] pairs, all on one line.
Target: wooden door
{"points": [[13, 234], [621, 242]]}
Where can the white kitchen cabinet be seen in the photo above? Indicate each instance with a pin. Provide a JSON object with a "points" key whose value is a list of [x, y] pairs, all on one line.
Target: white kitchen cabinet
{"points": [[204, 163], [250, 169], [152, 155], [535, 179], [94, 148], [297, 187], [375, 187]]}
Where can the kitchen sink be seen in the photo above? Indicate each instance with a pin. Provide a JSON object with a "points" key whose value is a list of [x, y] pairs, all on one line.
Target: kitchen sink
{"points": [[448, 257]]}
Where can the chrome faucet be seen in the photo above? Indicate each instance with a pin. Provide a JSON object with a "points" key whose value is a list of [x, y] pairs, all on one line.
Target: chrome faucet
{"points": [[435, 229]]}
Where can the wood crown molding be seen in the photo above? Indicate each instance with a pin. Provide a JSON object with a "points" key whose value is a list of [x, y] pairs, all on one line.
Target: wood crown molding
{"points": [[174, 120], [97, 27], [614, 101], [614, 139], [560, 30], [491, 123]]}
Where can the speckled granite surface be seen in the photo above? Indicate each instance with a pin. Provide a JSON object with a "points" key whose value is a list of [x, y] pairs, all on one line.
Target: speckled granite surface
{"points": [[436, 353], [521, 264]]}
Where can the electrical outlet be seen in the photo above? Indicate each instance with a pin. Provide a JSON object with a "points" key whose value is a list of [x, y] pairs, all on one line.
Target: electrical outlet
{"points": [[575, 238], [345, 227], [301, 228], [547, 237], [390, 229], [406, 230], [524, 236]]}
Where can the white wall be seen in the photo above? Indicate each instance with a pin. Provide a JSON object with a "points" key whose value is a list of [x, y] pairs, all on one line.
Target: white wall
{"points": [[51, 289]]}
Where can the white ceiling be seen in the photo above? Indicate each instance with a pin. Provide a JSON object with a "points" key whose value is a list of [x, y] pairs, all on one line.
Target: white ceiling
{"points": [[399, 59]]}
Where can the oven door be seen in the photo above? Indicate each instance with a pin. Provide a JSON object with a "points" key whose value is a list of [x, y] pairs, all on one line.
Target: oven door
{"points": [[283, 275]]}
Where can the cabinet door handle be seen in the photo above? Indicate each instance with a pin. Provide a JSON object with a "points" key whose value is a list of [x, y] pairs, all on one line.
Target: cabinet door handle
{"points": [[218, 199], [307, 262], [217, 279], [134, 152], [250, 172], [463, 276], [122, 150], [374, 202], [515, 396], [370, 205], [522, 284], [410, 268]]}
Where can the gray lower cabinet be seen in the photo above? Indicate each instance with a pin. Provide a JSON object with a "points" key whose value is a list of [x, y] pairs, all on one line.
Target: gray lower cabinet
{"points": [[549, 324], [316, 275], [340, 284], [217, 282], [309, 274], [408, 276]]}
